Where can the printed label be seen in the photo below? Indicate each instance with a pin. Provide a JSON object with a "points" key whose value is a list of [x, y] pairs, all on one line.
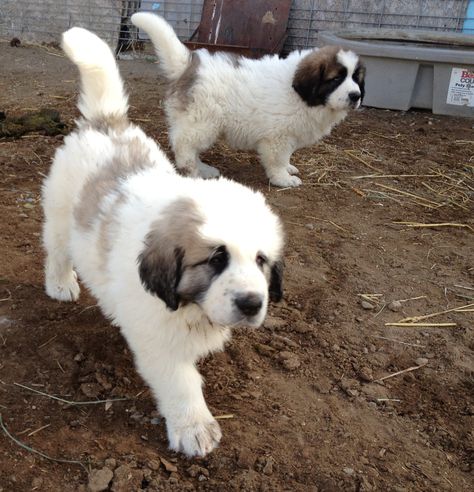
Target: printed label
{"points": [[461, 87]]}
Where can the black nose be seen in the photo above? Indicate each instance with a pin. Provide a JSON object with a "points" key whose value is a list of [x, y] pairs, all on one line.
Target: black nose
{"points": [[354, 96], [249, 304]]}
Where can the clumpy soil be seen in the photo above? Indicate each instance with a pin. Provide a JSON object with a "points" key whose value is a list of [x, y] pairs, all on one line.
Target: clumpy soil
{"points": [[300, 405]]}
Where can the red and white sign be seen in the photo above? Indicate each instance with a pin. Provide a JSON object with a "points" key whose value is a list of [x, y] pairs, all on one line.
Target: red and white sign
{"points": [[461, 87]]}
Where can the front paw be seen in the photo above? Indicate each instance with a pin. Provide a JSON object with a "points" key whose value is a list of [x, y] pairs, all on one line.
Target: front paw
{"points": [[62, 289], [195, 439], [285, 180]]}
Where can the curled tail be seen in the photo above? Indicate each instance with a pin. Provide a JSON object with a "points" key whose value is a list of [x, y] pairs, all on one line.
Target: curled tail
{"points": [[173, 55], [102, 91]]}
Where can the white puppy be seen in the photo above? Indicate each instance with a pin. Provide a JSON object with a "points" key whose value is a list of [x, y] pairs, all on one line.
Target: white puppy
{"points": [[174, 261], [270, 105]]}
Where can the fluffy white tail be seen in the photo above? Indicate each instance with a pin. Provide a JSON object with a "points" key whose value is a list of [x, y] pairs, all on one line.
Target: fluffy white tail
{"points": [[102, 92], [173, 55]]}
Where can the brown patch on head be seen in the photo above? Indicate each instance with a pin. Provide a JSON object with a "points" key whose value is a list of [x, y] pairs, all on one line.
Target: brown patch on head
{"points": [[317, 75], [172, 248], [131, 157], [181, 89]]}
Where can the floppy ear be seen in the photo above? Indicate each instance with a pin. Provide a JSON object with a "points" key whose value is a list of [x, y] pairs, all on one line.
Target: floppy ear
{"points": [[170, 237], [160, 268], [276, 278], [361, 80], [307, 82]]}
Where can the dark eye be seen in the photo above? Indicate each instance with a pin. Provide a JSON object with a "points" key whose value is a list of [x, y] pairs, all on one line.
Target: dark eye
{"points": [[219, 259], [261, 260]]}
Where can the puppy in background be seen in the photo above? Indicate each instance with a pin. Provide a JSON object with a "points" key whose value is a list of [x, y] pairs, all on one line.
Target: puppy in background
{"points": [[176, 262], [271, 105]]}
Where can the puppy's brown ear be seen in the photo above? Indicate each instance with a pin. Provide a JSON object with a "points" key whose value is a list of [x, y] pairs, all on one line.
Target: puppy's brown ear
{"points": [[307, 81], [359, 77], [160, 268], [275, 289], [171, 238]]}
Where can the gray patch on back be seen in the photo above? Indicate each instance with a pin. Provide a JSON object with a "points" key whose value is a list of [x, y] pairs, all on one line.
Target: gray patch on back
{"points": [[131, 157], [180, 90]]}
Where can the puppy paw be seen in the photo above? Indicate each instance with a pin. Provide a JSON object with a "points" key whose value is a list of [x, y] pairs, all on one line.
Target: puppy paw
{"points": [[196, 439], [285, 180], [66, 289], [292, 169], [208, 172]]}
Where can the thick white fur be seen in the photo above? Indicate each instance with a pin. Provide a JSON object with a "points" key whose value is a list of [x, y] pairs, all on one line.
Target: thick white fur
{"points": [[252, 104], [166, 344]]}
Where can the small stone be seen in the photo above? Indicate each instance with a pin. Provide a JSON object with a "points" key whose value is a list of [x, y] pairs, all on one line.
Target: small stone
{"points": [[352, 392], [111, 463], [174, 478], [91, 390], [366, 305], [169, 467], [395, 306], [289, 360], [268, 467], [365, 373], [36, 483], [335, 348], [193, 471], [79, 357], [348, 471], [309, 226], [273, 323], [286, 341], [263, 349], [324, 343], [155, 421], [374, 391], [284, 355], [246, 458], [99, 479], [291, 364], [323, 385], [421, 361], [302, 327], [103, 381], [126, 479], [154, 465]]}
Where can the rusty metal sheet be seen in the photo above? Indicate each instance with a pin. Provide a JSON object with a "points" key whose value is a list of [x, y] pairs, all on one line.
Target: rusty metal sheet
{"points": [[249, 27]]}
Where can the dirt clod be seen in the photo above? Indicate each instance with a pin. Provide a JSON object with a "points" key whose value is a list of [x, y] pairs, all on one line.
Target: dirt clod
{"points": [[99, 479]]}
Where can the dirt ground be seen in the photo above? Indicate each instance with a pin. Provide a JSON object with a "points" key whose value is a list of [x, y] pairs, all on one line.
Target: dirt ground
{"points": [[302, 405]]}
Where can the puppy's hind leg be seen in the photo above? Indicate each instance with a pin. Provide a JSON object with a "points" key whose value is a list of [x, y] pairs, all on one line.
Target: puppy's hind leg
{"points": [[187, 146], [61, 280], [275, 158]]}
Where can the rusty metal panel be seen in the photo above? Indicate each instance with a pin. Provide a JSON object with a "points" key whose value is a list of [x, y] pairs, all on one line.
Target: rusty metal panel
{"points": [[249, 27]]}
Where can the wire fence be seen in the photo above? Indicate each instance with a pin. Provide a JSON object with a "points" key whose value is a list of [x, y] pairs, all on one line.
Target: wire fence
{"points": [[44, 20], [308, 17]]}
